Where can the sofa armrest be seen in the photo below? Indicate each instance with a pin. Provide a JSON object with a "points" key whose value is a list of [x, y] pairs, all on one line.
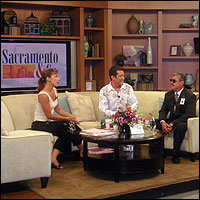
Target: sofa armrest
{"points": [[25, 133], [25, 154], [193, 133]]}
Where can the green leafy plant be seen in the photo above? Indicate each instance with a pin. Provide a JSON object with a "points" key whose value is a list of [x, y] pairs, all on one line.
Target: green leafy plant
{"points": [[120, 57], [129, 80], [48, 29]]}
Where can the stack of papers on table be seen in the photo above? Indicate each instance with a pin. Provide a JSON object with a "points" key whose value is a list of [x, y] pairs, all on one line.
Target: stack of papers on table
{"points": [[98, 150], [98, 132]]}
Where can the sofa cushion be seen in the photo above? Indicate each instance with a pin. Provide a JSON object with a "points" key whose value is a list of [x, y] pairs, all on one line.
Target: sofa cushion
{"points": [[21, 108], [4, 130], [64, 105], [161, 100], [197, 108], [148, 102], [6, 118], [81, 106], [89, 125], [95, 101]]}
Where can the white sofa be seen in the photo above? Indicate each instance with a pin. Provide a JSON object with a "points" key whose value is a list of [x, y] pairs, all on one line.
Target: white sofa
{"points": [[36, 147]]}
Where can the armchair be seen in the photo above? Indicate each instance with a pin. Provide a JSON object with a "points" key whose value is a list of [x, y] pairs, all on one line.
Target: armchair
{"points": [[25, 154]]}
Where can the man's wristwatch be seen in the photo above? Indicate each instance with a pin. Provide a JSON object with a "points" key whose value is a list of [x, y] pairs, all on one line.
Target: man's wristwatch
{"points": [[171, 124]]}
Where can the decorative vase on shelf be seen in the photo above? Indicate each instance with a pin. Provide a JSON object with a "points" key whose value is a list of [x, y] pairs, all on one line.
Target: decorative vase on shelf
{"points": [[133, 25], [89, 21], [141, 27], [187, 49], [148, 28], [90, 44], [149, 52], [189, 79], [86, 47], [90, 73]]}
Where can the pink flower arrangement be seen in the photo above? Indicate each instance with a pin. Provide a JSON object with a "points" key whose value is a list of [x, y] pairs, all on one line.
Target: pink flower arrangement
{"points": [[127, 116]]}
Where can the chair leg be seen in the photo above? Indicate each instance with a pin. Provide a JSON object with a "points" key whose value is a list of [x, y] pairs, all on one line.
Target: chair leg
{"points": [[192, 157], [44, 181]]}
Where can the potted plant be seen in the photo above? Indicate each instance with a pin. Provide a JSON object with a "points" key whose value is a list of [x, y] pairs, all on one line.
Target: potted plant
{"points": [[48, 29], [120, 59], [129, 80]]}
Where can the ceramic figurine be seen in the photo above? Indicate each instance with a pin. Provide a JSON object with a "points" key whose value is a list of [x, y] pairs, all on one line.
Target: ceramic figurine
{"points": [[189, 79], [148, 28], [89, 21], [141, 27], [86, 47]]}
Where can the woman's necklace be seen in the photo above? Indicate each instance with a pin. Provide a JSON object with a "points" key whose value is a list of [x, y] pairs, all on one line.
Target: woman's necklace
{"points": [[52, 95]]}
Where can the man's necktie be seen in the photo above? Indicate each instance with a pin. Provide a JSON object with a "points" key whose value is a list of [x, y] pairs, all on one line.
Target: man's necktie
{"points": [[176, 100]]}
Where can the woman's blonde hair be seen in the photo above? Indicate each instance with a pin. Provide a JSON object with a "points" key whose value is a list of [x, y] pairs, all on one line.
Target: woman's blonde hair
{"points": [[47, 72]]}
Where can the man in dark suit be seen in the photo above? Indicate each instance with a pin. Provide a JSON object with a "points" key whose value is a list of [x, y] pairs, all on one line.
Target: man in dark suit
{"points": [[181, 103]]}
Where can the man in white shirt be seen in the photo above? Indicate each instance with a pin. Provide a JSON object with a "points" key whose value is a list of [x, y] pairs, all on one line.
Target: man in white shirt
{"points": [[116, 94]]}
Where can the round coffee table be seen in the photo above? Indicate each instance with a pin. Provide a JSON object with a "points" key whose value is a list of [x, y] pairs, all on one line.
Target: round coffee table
{"points": [[147, 154]]}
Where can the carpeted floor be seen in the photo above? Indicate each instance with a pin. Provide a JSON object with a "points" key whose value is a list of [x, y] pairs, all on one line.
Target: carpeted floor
{"points": [[75, 183]]}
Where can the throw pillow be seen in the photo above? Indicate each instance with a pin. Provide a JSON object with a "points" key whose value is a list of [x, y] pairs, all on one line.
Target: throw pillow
{"points": [[64, 105], [161, 100], [4, 130], [197, 108], [81, 106]]}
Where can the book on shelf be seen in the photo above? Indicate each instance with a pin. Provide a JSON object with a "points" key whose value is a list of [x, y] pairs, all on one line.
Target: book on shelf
{"points": [[145, 86], [95, 50]]}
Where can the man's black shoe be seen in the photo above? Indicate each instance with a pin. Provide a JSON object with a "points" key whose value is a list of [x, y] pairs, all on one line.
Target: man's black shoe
{"points": [[176, 160]]}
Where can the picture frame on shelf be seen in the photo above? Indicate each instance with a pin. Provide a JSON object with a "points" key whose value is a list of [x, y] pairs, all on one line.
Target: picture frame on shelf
{"points": [[174, 50], [90, 85], [196, 45], [132, 53]]}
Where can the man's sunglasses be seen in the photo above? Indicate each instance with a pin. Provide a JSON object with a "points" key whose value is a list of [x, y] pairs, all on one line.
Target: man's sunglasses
{"points": [[173, 80]]}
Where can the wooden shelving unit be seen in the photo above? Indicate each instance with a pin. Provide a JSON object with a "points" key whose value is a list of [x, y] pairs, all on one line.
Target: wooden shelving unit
{"points": [[180, 29], [98, 34], [41, 37], [135, 36], [140, 68], [182, 57], [92, 58], [166, 32], [173, 35], [78, 12], [110, 31], [120, 36], [93, 29]]}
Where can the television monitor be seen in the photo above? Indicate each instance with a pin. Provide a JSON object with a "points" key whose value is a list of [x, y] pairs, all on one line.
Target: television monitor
{"points": [[22, 62]]}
